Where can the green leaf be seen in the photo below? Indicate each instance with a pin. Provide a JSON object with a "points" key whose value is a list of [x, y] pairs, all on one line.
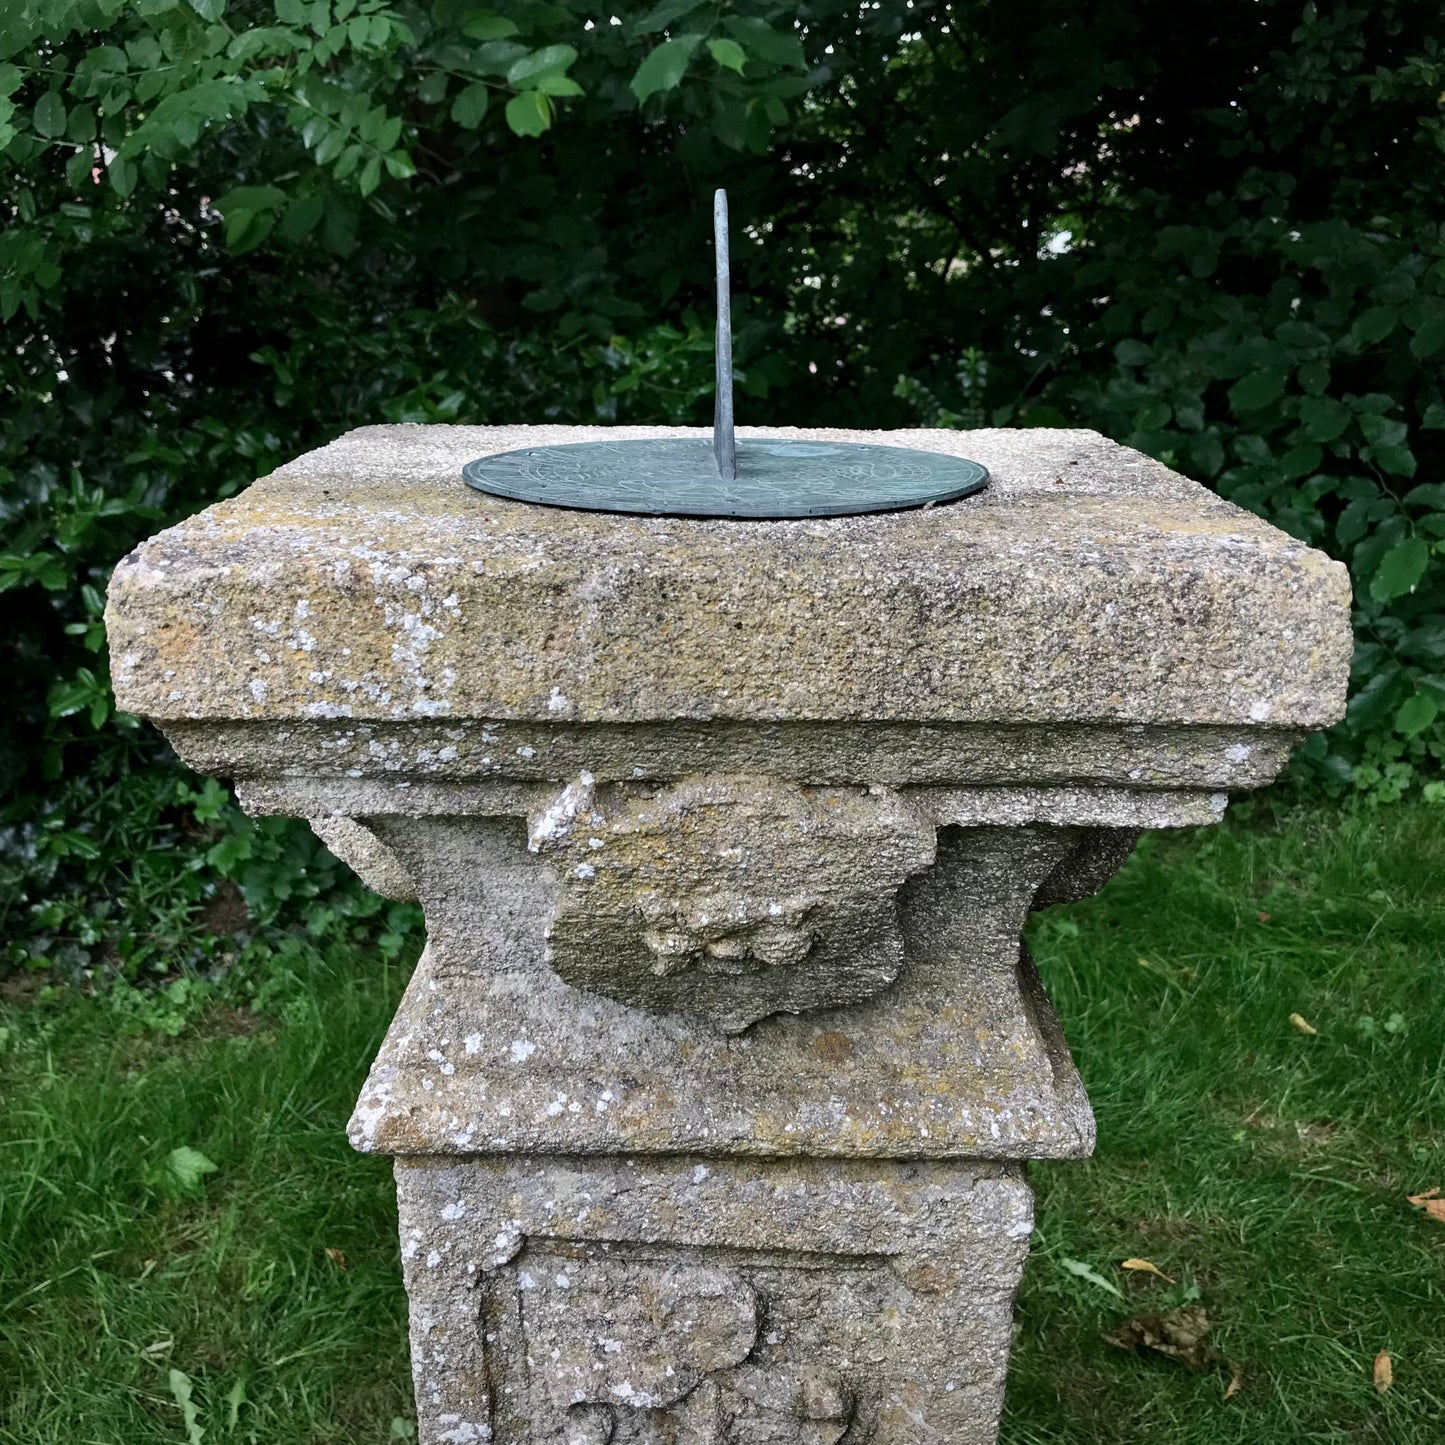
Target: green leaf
{"points": [[555, 83], [50, 114], [1382, 430], [1131, 353], [211, 10], [1434, 418], [664, 68], [760, 39], [1323, 417], [180, 1384], [1206, 453], [1400, 569], [1314, 377], [1416, 714], [539, 62], [370, 176], [470, 105], [1428, 341], [497, 57], [1301, 461], [1374, 325], [661, 16], [301, 217], [80, 125], [728, 54], [1397, 460], [189, 1166], [79, 167], [1354, 522], [1431, 494], [489, 27], [1257, 390], [1083, 1271], [250, 198], [529, 114]]}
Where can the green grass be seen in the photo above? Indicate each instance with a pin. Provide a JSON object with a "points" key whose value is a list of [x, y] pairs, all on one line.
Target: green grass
{"points": [[1264, 1169], [113, 1272]]}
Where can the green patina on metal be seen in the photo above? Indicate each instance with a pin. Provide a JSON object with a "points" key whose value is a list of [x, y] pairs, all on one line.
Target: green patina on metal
{"points": [[762, 477], [775, 478]]}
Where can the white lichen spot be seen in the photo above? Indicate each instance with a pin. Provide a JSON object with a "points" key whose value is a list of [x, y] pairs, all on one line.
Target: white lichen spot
{"points": [[563, 1282], [700, 1172], [472, 1043], [1238, 752], [1259, 711], [585, 870], [455, 1210], [526, 752], [554, 823], [463, 1432], [558, 702], [525, 1281], [258, 689], [303, 609], [433, 1258], [522, 1050]]}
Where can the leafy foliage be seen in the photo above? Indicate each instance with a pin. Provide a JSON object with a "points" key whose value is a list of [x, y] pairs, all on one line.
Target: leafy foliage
{"points": [[233, 229]]}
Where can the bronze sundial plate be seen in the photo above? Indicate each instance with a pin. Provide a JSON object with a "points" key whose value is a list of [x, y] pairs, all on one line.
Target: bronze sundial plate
{"points": [[678, 477]]}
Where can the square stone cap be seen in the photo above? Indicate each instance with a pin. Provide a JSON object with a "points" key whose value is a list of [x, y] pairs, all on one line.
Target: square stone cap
{"points": [[1087, 583]]}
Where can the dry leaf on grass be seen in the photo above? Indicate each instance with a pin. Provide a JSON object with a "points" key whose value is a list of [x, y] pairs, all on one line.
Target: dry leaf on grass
{"points": [[1384, 1372], [1264, 917], [1179, 1334], [337, 1257], [1236, 1382], [1145, 1266], [1430, 1202], [1302, 1025]]}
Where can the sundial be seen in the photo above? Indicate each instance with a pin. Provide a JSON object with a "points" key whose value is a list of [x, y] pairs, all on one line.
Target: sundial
{"points": [[728, 476]]}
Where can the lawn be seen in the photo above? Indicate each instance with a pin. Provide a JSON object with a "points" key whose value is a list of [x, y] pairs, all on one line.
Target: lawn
{"points": [[145, 1298]]}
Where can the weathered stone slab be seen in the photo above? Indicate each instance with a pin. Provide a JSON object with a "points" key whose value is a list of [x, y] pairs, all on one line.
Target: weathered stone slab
{"points": [[1087, 584]]}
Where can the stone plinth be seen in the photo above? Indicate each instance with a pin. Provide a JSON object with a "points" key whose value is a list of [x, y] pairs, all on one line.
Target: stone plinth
{"points": [[712, 1092]]}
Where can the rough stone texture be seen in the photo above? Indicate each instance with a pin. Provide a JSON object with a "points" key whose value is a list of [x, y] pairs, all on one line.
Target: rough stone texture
{"points": [[694, 1300], [491, 1051], [1086, 584], [367, 856], [734, 898], [711, 1092]]}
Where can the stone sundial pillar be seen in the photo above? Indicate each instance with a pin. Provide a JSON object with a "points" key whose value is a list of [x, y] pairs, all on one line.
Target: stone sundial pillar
{"points": [[712, 1095]]}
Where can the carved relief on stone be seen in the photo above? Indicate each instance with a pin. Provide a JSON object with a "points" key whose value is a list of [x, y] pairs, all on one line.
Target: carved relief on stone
{"points": [[633, 1354], [731, 897]]}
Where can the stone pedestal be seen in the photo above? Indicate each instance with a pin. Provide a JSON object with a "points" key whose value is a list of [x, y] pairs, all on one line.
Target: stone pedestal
{"points": [[711, 1096]]}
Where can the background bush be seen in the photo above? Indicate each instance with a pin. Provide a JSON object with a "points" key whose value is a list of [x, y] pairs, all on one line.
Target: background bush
{"points": [[233, 230]]}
